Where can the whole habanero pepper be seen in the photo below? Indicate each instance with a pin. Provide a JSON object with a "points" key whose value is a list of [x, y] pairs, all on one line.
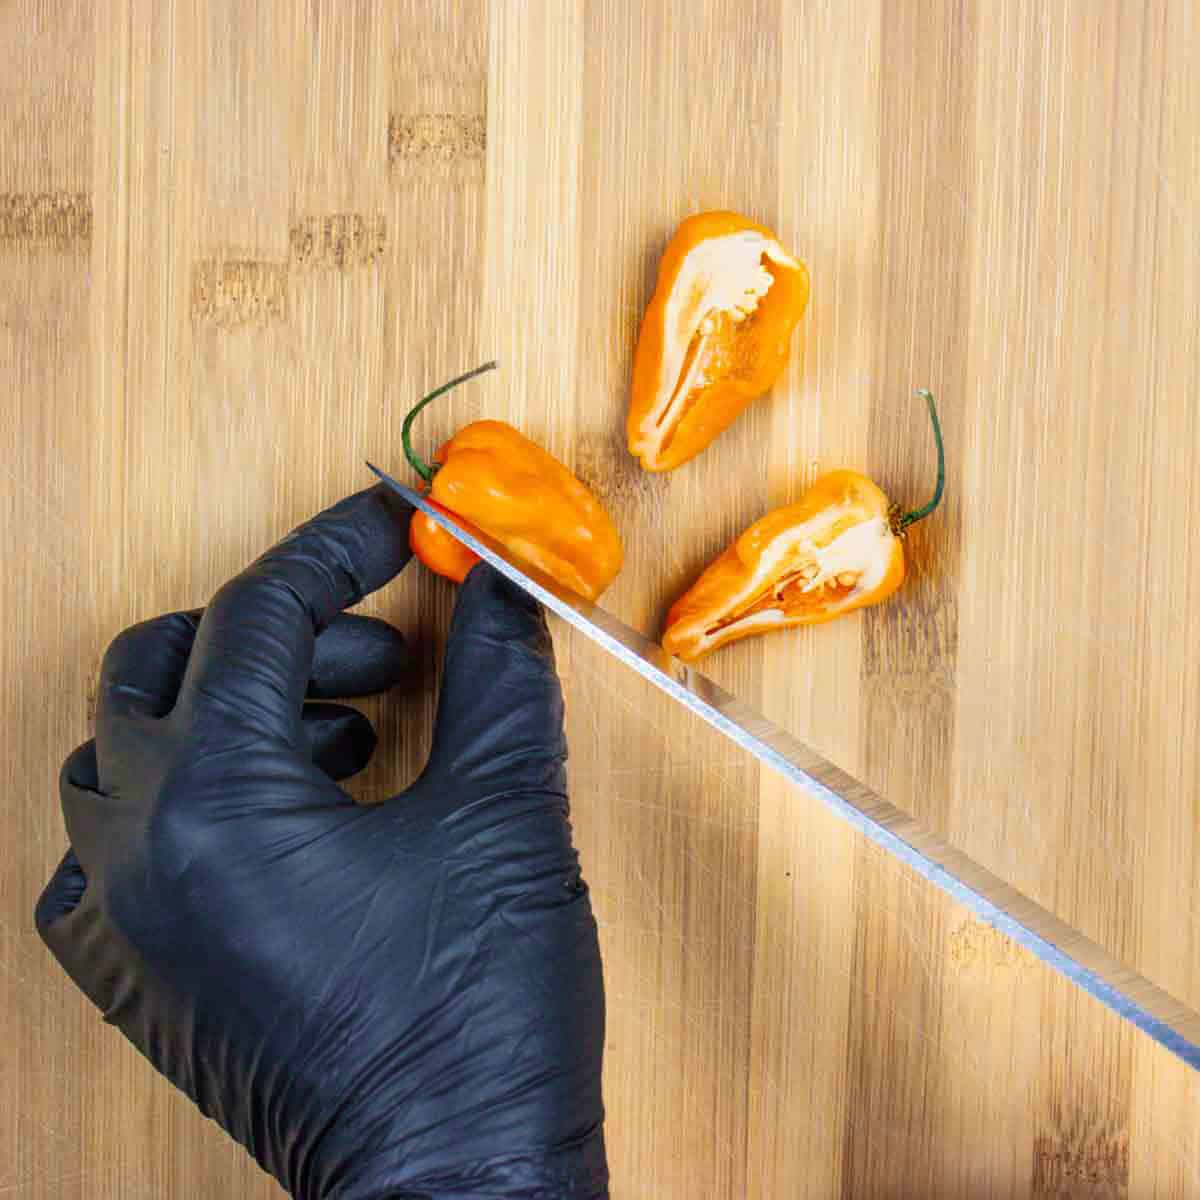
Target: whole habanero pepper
{"points": [[837, 549], [493, 481], [715, 335]]}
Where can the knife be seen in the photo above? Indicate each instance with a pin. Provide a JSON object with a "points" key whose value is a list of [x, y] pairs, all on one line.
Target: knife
{"points": [[1056, 943]]}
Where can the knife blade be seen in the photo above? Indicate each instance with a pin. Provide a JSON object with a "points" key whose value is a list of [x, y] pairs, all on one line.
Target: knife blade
{"points": [[1086, 964]]}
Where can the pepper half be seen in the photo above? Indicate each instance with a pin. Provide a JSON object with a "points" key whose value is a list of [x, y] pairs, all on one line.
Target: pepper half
{"points": [[840, 547], [493, 480], [715, 335]]}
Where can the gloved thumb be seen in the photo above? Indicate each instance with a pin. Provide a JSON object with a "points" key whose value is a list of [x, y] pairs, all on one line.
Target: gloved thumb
{"points": [[500, 714]]}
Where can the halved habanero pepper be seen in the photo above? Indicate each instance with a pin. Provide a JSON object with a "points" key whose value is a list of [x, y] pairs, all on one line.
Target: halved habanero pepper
{"points": [[715, 335], [837, 549], [492, 480]]}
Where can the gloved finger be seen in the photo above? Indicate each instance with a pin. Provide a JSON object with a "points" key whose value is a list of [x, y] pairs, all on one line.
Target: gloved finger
{"points": [[71, 931], [78, 784], [80, 770], [143, 668], [61, 895], [83, 799], [357, 656], [500, 714], [253, 653], [353, 656], [340, 739]]}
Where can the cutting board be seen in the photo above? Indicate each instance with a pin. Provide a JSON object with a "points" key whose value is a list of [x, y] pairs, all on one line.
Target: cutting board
{"points": [[238, 240]]}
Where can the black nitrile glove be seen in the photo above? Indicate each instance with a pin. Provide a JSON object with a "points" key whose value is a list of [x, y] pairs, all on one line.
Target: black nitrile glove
{"points": [[400, 1001]]}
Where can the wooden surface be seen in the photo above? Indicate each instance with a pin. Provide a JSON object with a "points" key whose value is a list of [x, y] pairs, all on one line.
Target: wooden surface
{"points": [[237, 239]]}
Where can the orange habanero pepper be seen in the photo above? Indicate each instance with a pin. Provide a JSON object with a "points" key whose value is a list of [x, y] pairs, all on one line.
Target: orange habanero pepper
{"points": [[837, 549], [715, 335], [494, 481]]}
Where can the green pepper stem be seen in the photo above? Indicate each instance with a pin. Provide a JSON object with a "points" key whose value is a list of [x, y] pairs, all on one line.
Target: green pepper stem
{"points": [[919, 514], [422, 468]]}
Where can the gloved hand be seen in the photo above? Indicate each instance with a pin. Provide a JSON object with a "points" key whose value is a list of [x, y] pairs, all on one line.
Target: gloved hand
{"points": [[398, 1001]]}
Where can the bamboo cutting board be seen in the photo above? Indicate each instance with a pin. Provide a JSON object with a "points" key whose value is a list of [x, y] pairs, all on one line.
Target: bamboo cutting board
{"points": [[237, 239]]}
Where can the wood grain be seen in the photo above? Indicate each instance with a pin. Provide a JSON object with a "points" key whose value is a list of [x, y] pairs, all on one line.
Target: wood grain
{"points": [[238, 239]]}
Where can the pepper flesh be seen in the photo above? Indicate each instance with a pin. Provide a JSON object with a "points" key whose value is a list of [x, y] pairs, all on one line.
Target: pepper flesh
{"points": [[715, 335], [839, 548], [804, 564], [497, 484], [440, 551]]}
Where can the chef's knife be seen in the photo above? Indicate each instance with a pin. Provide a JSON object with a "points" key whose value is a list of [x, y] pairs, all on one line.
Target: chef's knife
{"points": [[1004, 908]]}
